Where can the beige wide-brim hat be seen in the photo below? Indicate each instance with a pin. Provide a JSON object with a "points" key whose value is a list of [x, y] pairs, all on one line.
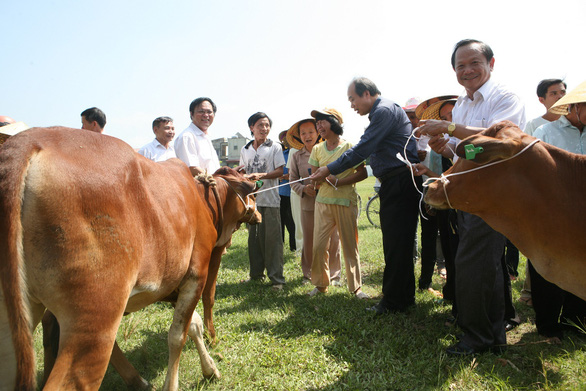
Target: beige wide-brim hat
{"points": [[293, 134], [577, 95], [329, 111], [433, 111], [11, 130], [427, 103]]}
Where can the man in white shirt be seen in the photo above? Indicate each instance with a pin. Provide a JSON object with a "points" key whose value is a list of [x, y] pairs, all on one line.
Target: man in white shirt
{"points": [[193, 146], [160, 148], [480, 285], [549, 91]]}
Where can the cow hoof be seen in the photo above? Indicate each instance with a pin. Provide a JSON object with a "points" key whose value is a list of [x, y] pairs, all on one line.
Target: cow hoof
{"points": [[215, 375], [140, 385]]}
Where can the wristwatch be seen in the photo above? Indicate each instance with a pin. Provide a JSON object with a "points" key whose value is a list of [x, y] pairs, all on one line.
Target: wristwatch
{"points": [[451, 128]]}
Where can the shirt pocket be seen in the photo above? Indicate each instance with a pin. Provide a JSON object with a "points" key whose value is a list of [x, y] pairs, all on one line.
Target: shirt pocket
{"points": [[478, 123]]}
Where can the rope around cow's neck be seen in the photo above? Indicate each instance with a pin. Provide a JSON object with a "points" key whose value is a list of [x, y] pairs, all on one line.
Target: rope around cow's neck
{"points": [[248, 208], [444, 178], [209, 181]]}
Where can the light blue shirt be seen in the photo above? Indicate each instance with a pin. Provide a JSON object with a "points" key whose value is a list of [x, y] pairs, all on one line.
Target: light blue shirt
{"points": [[562, 134]]}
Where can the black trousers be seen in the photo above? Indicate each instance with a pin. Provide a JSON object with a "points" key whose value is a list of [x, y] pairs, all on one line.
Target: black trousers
{"points": [[479, 283], [288, 222], [554, 307], [447, 221], [429, 232], [399, 209]]}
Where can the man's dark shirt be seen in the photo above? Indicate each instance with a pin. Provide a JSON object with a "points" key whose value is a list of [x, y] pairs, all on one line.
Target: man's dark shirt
{"points": [[386, 135]]}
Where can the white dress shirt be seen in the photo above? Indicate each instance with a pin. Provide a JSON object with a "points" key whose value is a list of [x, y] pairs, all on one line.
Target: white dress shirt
{"points": [[157, 152], [195, 149]]}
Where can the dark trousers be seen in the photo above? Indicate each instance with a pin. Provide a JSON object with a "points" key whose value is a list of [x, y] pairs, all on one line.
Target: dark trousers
{"points": [[287, 221], [549, 301], [512, 258], [510, 311], [399, 209], [479, 283], [447, 221], [428, 249]]}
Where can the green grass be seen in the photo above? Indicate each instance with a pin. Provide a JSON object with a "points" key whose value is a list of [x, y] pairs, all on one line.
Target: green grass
{"points": [[288, 341]]}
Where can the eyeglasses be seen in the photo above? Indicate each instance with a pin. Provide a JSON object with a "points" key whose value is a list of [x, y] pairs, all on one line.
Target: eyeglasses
{"points": [[202, 112]]}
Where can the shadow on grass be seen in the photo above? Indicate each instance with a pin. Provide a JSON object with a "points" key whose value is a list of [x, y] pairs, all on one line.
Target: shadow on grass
{"points": [[390, 351]]}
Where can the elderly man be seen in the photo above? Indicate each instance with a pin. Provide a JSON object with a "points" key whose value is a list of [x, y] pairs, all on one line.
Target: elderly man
{"points": [[386, 136], [480, 292], [160, 148], [194, 146], [93, 119]]}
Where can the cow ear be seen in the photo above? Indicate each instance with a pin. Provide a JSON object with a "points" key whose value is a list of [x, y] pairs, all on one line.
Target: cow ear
{"points": [[482, 149]]}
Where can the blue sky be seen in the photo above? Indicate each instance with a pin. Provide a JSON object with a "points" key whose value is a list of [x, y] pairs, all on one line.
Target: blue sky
{"points": [[138, 60]]}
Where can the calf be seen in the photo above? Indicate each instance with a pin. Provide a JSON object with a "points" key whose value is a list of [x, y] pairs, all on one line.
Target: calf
{"points": [[90, 230], [529, 191]]}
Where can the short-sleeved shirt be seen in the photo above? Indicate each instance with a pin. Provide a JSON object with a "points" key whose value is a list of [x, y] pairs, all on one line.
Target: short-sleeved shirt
{"points": [[268, 157], [157, 152], [562, 134], [344, 195], [532, 125], [195, 149]]}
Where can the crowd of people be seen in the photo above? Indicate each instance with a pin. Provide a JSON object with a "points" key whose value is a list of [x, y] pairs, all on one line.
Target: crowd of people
{"points": [[317, 201]]}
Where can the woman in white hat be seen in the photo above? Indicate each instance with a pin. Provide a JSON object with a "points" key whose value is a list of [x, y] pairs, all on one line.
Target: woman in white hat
{"points": [[335, 206]]}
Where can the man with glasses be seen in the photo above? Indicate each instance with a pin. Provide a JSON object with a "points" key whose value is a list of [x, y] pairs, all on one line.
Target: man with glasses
{"points": [[193, 145]]}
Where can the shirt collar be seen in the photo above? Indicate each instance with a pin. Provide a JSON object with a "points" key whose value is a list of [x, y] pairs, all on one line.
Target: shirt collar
{"points": [[374, 106], [196, 130], [483, 92]]}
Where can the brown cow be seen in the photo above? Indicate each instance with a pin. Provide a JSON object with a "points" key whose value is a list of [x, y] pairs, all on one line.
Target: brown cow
{"points": [[90, 230], [530, 192]]}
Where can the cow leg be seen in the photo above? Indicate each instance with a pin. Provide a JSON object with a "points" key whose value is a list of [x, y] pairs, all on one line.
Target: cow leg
{"points": [[209, 292], [189, 294], [84, 351], [208, 366], [126, 370]]}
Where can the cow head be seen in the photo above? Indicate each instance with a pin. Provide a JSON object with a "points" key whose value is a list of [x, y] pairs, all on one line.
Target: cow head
{"points": [[242, 188], [464, 185]]}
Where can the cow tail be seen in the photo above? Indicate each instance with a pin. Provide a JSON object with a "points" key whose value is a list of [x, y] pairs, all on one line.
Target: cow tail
{"points": [[12, 182]]}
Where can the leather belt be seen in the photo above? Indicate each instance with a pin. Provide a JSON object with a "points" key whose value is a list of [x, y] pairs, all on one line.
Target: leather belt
{"points": [[392, 173]]}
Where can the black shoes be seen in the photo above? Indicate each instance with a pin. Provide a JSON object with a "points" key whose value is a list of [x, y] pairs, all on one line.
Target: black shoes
{"points": [[462, 349], [380, 309]]}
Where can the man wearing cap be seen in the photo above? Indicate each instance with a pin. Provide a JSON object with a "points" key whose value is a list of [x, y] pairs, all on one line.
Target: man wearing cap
{"points": [[193, 146], [387, 135], [554, 307], [479, 272]]}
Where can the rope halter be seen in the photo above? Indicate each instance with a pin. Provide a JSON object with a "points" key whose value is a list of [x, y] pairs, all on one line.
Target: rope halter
{"points": [[445, 181]]}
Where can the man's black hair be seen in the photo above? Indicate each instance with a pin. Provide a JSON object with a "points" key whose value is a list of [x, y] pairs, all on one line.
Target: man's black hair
{"points": [[94, 114], [484, 49], [544, 85], [196, 102]]}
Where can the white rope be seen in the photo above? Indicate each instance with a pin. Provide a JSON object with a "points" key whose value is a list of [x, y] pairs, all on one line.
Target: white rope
{"points": [[445, 181], [274, 187]]}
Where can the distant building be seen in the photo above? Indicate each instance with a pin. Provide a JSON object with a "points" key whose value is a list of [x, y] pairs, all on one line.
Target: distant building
{"points": [[228, 150]]}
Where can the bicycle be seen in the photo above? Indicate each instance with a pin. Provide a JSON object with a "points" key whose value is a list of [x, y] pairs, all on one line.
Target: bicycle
{"points": [[373, 210]]}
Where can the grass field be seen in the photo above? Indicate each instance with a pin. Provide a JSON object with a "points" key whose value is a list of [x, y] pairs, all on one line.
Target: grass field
{"points": [[288, 341]]}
